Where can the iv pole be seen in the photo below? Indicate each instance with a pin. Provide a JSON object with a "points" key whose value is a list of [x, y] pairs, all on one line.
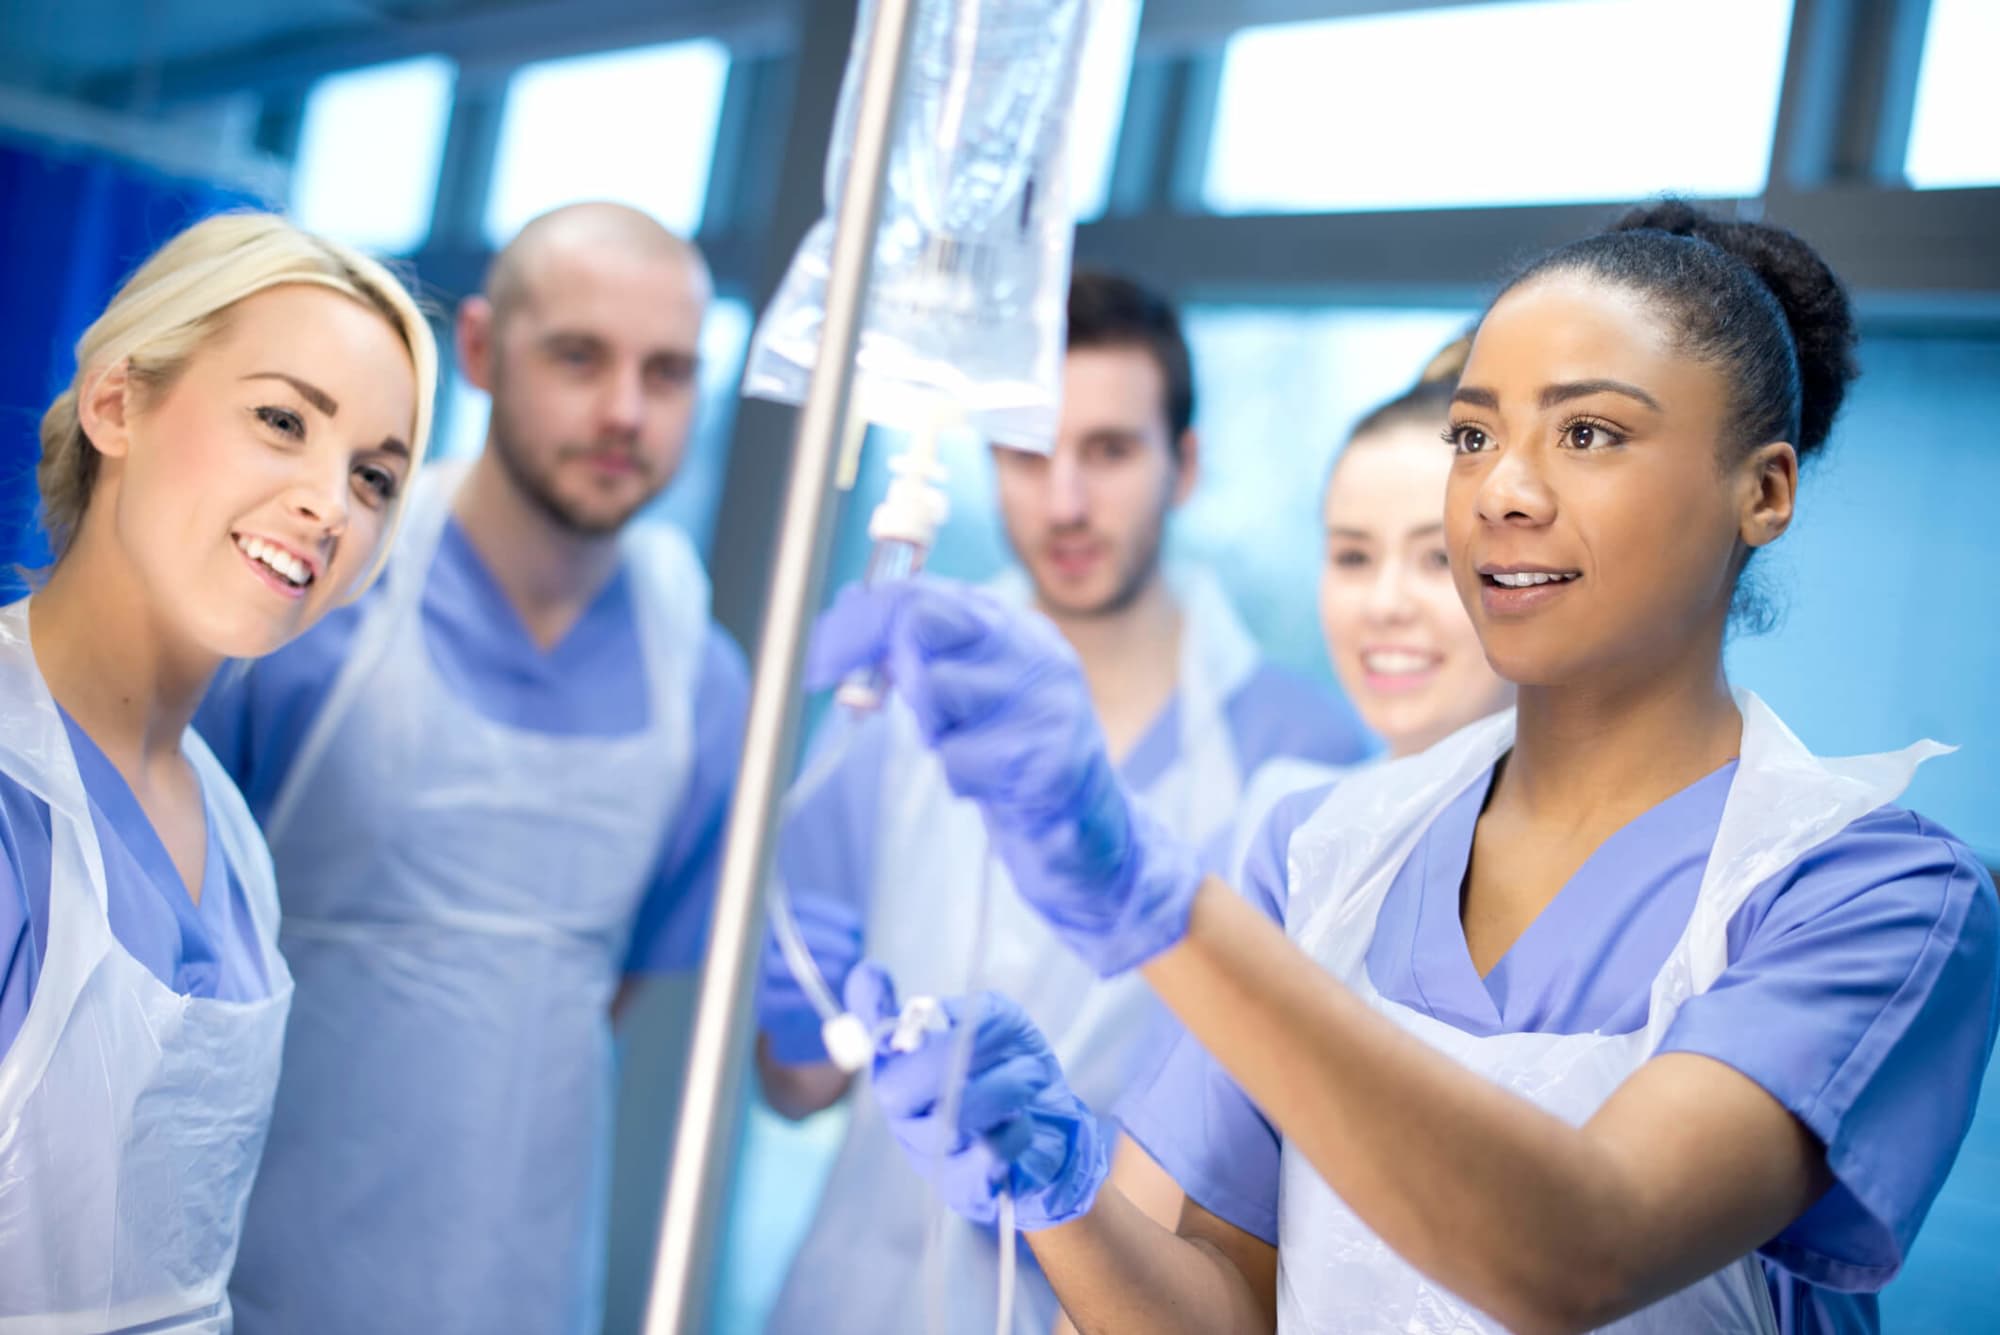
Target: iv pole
{"points": [[691, 1217]]}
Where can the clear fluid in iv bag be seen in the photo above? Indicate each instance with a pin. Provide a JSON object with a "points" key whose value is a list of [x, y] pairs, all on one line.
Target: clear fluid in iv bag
{"points": [[985, 74]]}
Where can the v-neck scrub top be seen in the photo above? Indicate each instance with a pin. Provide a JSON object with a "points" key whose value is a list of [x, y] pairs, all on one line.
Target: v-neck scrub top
{"points": [[210, 949], [590, 683], [1860, 993]]}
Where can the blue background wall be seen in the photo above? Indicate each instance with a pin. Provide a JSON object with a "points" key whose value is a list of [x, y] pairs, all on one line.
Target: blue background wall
{"points": [[73, 224]]}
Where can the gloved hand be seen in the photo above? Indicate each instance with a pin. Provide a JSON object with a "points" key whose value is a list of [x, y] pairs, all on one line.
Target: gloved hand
{"points": [[1000, 697], [1018, 1126], [831, 929]]}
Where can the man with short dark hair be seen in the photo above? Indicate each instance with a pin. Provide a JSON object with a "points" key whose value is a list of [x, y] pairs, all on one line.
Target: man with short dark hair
{"points": [[494, 791], [883, 858]]}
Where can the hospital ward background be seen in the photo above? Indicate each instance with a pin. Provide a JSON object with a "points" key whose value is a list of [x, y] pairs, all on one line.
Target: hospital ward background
{"points": [[1330, 189]]}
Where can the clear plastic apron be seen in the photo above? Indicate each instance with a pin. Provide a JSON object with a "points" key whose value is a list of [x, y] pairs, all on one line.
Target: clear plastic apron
{"points": [[131, 1117], [1334, 1275], [459, 897], [861, 1265]]}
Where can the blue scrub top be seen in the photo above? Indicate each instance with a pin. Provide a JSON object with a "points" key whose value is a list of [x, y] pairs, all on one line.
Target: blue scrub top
{"points": [[591, 683], [1860, 993], [827, 845], [209, 950]]}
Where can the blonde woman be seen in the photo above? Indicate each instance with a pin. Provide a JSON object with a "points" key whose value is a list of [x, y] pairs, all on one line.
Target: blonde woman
{"points": [[225, 467]]}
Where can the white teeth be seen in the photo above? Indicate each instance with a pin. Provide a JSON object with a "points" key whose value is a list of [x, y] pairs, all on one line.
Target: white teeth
{"points": [[278, 560], [1395, 662], [1529, 578]]}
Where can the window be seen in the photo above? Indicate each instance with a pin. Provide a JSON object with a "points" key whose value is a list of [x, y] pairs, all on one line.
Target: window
{"points": [[636, 126], [369, 147], [1953, 141], [1525, 103], [690, 501], [1102, 82]]}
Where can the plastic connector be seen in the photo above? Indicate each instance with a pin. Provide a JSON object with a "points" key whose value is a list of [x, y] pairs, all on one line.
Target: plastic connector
{"points": [[921, 1015], [904, 527], [849, 1045]]}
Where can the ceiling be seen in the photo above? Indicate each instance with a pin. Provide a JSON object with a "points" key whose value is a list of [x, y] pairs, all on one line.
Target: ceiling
{"points": [[127, 53], [116, 51]]}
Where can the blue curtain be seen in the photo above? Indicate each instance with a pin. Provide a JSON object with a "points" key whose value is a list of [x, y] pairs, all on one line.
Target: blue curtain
{"points": [[73, 224]]}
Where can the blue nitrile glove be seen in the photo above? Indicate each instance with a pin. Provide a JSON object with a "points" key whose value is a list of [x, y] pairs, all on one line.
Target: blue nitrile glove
{"points": [[1000, 697], [832, 932], [1019, 1128]]}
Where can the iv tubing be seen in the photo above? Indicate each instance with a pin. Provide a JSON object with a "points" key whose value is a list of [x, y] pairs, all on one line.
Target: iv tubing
{"points": [[798, 957], [957, 1071]]}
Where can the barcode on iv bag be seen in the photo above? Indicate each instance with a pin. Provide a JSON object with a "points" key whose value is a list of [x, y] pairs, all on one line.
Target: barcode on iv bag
{"points": [[958, 259]]}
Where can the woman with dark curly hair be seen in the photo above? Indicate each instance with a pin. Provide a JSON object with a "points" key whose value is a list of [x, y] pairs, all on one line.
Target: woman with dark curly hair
{"points": [[1621, 1009]]}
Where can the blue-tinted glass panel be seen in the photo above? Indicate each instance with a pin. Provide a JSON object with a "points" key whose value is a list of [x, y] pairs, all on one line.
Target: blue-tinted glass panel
{"points": [[1954, 130], [636, 126], [696, 490], [1888, 632], [369, 147], [1102, 82], [1486, 104]]}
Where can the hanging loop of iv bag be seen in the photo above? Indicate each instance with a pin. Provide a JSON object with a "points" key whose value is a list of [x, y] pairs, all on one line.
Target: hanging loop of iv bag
{"points": [[972, 253]]}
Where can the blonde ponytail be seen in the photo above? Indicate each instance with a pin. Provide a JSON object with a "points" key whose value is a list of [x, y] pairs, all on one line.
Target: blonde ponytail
{"points": [[67, 469]]}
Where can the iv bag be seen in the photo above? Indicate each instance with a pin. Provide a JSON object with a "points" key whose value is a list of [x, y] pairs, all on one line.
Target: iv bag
{"points": [[972, 250]]}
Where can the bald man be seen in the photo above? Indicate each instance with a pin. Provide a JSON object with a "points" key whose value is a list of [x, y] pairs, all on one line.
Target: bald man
{"points": [[494, 790]]}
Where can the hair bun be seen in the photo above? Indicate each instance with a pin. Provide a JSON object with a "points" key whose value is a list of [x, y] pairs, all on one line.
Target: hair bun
{"points": [[1814, 302], [1676, 217]]}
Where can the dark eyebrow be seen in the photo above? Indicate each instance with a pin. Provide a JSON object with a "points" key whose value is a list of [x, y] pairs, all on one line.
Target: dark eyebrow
{"points": [[312, 394], [1554, 394], [394, 445], [1477, 397]]}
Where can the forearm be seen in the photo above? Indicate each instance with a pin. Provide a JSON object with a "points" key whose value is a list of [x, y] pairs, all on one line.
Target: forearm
{"points": [[1527, 1217], [1148, 1187], [1115, 1270], [798, 1091]]}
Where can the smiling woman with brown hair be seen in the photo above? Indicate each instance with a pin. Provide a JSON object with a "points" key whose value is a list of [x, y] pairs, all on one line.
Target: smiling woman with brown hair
{"points": [[1619, 1008], [226, 467]]}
